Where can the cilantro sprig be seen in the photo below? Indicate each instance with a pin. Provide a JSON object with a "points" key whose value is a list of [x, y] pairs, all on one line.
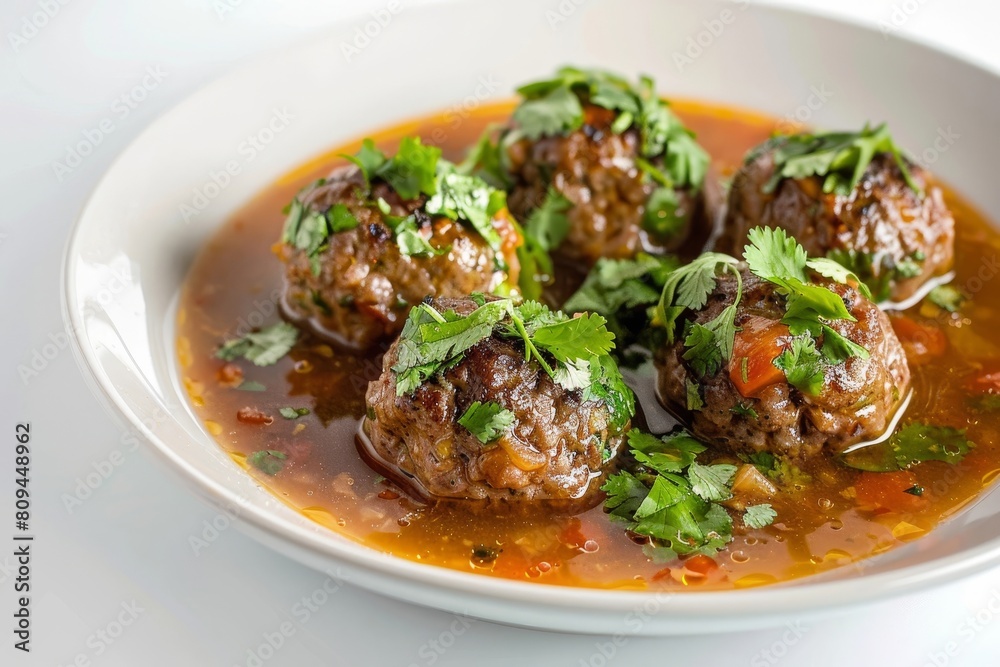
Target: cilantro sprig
{"points": [[809, 309], [912, 444], [487, 421], [708, 345], [574, 352], [674, 500], [840, 158], [624, 292], [264, 347], [555, 106], [415, 171]]}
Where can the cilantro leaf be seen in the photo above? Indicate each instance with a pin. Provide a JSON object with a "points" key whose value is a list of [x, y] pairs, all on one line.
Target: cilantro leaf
{"points": [[572, 351], [693, 400], [840, 158], [487, 421], [264, 347], [688, 287], [268, 461], [829, 268], [557, 111], [622, 291], [947, 297], [548, 224], [702, 350], [411, 242], [670, 453], [838, 348], [779, 259], [485, 159], [412, 170], [711, 482], [608, 385], [624, 494], [742, 410], [671, 498], [661, 215], [909, 446], [369, 159], [575, 338], [758, 516], [293, 413], [916, 443], [461, 196], [803, 366], [775, 256], [555, 106]]}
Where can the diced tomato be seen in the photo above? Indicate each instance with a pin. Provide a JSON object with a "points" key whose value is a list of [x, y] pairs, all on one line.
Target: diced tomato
{"points": [[888, 490], [700, 564], [759, 342], [572, 534], [921, 341], [985, 382]]}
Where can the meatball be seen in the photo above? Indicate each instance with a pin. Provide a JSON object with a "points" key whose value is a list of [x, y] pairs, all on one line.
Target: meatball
{"points": [[893, 237], [750, 406], [608, 167], [356, 289], [596, 171], [557, 447]]}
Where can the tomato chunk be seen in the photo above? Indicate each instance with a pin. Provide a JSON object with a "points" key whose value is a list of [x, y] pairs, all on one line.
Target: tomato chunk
{"points": [[922, 342], [759, 342], [888, 490], [987, 382]]}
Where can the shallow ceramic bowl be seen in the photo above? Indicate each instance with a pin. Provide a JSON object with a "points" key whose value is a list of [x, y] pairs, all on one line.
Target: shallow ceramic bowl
{"points": [[172, 188]]}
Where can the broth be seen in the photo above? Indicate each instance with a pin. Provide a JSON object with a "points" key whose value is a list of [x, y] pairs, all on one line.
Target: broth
{"points": [[233, 288]]}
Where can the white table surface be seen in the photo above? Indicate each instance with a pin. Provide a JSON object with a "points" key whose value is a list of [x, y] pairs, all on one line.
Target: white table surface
{"points": [[115, 580]]}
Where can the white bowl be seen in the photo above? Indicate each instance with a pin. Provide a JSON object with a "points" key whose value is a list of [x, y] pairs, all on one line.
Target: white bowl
{"points": [[169, 191]]}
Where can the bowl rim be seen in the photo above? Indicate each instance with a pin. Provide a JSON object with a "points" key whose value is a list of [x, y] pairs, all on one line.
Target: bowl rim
{"points": [[796, 596]]}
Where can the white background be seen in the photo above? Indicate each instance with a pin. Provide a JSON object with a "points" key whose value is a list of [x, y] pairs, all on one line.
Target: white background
{"points": [[127, 545]]}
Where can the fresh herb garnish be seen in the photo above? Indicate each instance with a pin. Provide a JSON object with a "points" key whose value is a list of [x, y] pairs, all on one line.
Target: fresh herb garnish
{"points": [[412, 171], [623, 292], [712, 482], [487, 421], [688, 287], [779, 469], [915, 490], [878, 271], [758, 516], [803, 365], [548, 223], [840, 158], [264, 347], [251, 385], [910, 445], [809, 309], [555, 106], [671, 498], [572, 351], [464, 197], [268, 461], [947, 297], [661, 217], [415, 170], [293, 413], [744, 411]]}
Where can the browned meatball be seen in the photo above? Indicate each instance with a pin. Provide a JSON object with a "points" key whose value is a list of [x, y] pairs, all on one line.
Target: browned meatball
{"points": [[357, 291], [893, 237], [557, 448], [597, 171], [856, 402]]}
